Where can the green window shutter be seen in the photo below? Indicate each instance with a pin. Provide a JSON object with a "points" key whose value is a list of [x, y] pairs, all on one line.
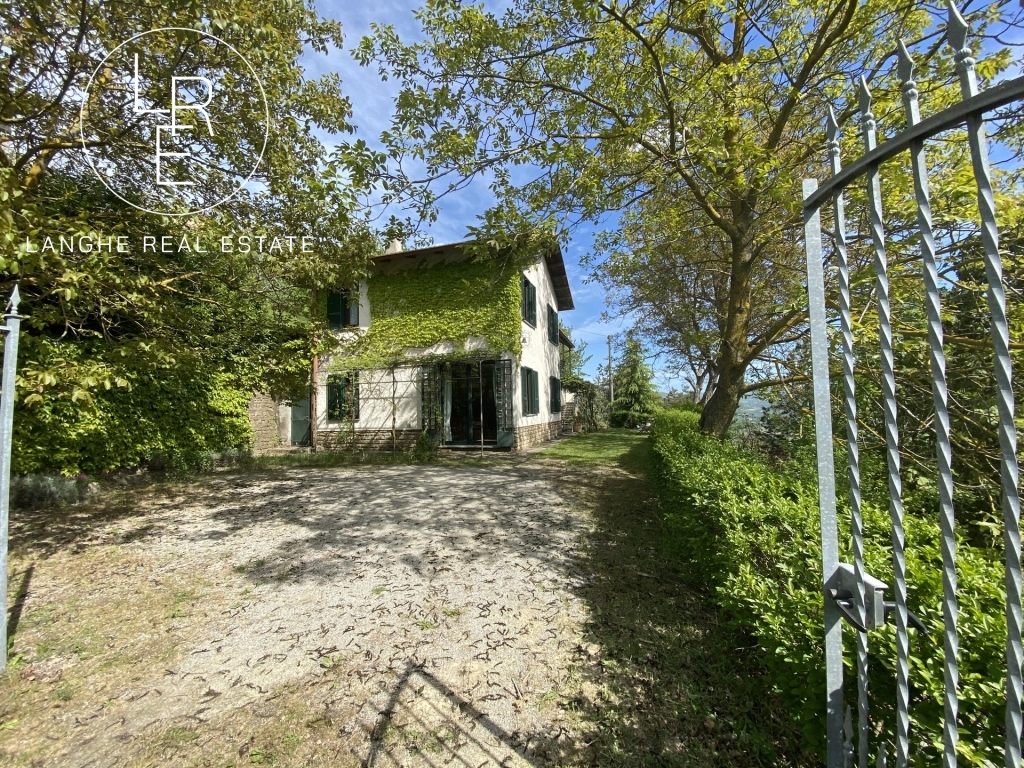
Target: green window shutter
{"points": [[335, 310], [534, 392], [556, 395], [552, 325], [335, 398], [529, 302], [524, 385], [342, 310], [353, 395]]}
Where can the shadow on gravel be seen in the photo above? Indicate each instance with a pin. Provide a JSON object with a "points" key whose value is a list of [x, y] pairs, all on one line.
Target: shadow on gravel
{"points": [[662, 681], [428, 519], [447, 727], [328, 522]]}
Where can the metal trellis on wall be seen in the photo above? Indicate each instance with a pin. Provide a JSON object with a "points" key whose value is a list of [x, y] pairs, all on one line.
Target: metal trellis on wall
{"points": [[852, 595]]}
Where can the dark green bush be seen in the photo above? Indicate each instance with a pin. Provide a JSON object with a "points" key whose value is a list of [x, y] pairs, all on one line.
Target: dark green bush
{"points": [[748, 532], [174, 420]]}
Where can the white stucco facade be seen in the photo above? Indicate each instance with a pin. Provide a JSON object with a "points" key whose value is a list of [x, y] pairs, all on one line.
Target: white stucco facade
{"points": [[392, 400], [538, 351]]}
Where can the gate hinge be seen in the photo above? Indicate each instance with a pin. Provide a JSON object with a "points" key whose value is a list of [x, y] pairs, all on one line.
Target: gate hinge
{"points": [[842, 587]]}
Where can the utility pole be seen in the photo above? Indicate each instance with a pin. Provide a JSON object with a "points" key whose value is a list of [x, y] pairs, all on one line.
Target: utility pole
{"points": [[611, 381]]}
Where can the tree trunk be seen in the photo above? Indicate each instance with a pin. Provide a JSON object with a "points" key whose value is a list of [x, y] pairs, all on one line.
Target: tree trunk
{"points": [[717, 415], [731, 365]]}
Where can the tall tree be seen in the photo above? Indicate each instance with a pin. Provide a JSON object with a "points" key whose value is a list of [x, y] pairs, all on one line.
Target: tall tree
{"points": [[701, 112], [635, 398], [128, 351]]}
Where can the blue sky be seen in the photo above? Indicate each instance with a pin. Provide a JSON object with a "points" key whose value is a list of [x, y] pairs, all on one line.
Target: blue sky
{"points": [[372, 102]]}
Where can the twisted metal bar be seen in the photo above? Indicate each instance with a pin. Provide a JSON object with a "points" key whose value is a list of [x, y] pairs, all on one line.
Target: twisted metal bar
{"points": [[852, 449], [940, 402], [892, 448], [957, 30]]}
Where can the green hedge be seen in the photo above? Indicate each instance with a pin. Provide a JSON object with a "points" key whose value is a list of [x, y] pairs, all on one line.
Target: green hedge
{"points": [[172, 419], [748, 533]]}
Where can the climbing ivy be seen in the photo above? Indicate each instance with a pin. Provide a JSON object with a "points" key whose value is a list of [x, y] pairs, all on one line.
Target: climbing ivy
{"points": [[426, 305]]}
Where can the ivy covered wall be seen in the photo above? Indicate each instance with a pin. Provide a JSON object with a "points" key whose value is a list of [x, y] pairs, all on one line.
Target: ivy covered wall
{"points": [[434, 303]]}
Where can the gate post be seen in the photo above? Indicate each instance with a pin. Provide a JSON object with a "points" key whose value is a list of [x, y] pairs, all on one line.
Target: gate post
{"points": [[12, 329], [826, 476]]}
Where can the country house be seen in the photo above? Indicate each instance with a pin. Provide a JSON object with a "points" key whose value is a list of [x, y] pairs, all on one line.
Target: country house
{"points": [[444, 345]]}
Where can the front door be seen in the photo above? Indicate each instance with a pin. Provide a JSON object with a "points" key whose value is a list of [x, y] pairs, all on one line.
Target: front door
{"points": [[300, 421], [472, 412]]}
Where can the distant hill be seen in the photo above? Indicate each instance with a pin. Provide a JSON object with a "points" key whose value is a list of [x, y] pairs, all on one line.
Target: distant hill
{"points": [[751, 408]]}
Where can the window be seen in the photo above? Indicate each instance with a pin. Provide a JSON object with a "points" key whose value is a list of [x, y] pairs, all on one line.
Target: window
{"points": [[529, 305], [342, 310], [552, 325], [343, 397], [556, 395], [531, 392]]}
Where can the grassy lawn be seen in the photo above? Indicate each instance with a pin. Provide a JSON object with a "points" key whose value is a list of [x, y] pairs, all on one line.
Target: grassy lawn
{"points": [[625, 447]]}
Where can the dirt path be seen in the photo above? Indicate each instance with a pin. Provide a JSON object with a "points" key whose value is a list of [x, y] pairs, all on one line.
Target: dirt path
{"points": [[512, 614]]}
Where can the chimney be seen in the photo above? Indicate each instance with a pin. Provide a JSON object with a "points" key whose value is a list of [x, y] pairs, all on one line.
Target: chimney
{"points": [[395, 246]]}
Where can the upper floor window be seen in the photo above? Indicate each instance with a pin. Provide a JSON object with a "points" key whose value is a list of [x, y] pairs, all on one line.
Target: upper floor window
{"points": [[529, 302], [552, 325], [342, 310]]}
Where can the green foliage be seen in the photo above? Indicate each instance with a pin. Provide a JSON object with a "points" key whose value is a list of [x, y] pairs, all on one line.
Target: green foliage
{"points": [[169, 419], [692, 122], [144, 356], [428, 305], [635, 398], [748, 533], [427, 447], [571, 362]]}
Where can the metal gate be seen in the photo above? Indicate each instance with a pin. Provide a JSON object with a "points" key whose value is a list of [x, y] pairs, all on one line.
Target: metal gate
{"points": [[431, 406], [851, 594]]}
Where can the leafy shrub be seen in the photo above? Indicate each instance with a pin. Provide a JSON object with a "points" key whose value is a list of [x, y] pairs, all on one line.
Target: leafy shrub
{"points": [[37, 491], [427, 447], [748, 533], [172, 419]]}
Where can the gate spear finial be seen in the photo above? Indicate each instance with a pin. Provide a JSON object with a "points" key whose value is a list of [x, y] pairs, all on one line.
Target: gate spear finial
{"points": [[904, 63], [956, 29], [832, 126], [864, 94]]}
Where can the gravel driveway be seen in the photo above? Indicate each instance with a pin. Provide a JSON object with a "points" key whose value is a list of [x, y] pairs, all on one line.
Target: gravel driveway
{"points": [[373, 615]]}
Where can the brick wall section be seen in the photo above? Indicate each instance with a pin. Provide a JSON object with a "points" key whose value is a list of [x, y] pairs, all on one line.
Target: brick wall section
{"points": [[366, 439], [263, 417], [536, 433], [380, 439]]}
